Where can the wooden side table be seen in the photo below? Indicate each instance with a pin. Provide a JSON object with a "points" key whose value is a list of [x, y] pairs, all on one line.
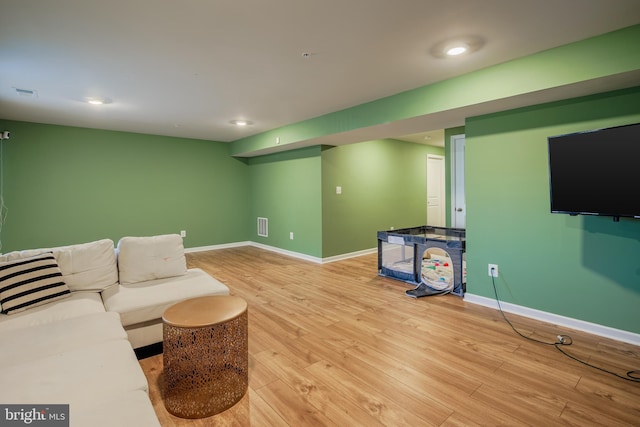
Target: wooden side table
{"points": [[205, 355]]}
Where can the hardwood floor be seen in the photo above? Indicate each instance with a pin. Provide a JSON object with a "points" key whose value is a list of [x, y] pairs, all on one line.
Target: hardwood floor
{"points": [[337, 345]]}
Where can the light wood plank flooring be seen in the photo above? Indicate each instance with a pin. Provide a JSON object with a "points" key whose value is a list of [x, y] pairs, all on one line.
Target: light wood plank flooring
{"points": [[337, 345]]}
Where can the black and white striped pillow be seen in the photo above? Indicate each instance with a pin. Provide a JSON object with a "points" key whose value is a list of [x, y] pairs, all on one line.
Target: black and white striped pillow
{"points": [[30, 282]]}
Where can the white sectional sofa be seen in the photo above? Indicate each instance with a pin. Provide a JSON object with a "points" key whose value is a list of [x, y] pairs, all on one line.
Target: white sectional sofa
{"points": [[72, 316]]}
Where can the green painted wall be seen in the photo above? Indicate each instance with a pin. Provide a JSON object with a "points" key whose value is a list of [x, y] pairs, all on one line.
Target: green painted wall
{"points": [[286, 189], [383, 185], [65, 185], [585, 268]]}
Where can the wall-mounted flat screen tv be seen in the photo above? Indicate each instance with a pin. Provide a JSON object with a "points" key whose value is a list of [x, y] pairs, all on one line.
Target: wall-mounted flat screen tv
{"points": [[596, 172]]}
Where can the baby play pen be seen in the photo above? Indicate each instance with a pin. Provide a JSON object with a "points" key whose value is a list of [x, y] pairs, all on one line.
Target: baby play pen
{"points": [[433, 258]]}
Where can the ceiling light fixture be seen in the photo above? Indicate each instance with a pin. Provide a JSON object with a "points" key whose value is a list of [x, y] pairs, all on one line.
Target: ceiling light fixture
{"points": [[98, 100], [456, 50], [459, 46], [241, 122]]}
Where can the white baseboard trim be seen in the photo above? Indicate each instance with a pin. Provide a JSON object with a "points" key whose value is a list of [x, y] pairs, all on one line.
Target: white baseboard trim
{"points": [[282, 251], [555, 319], [312, 258], [216, 247], [349, 255], [286, 252]]}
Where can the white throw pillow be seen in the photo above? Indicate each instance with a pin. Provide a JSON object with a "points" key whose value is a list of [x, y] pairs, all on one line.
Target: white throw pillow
{"points": [[88, 266], [148, 258]]}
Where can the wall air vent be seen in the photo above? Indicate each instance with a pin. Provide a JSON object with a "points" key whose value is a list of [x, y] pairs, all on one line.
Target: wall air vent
{"points": [[263, 227]]}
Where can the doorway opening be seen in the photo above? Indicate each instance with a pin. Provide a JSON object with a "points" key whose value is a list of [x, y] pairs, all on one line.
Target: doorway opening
{"points": [[436, 192], [458, 204]]}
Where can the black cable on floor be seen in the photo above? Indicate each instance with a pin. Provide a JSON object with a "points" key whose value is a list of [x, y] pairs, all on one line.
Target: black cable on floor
{"points": [[563, 340]]}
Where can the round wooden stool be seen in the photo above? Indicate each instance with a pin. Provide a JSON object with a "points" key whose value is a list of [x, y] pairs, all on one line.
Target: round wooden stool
{"points": [[205, 355]]}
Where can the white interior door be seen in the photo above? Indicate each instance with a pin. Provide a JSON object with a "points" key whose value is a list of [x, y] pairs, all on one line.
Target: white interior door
{"points": [[435, 191], [458, 204]]}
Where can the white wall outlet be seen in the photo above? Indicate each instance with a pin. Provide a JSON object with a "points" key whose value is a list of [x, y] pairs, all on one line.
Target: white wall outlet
{"points": [[183, 233], [291, 235], [493, 270], [277, 140], [338, 190]]}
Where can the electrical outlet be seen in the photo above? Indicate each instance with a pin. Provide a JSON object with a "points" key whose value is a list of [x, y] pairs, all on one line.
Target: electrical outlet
{"points": [[291, 235], [183, 233], [493, 270]]}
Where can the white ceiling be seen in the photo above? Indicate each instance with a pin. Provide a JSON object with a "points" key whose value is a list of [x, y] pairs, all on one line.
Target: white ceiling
{"points": [[187, 68], [433, 137]]}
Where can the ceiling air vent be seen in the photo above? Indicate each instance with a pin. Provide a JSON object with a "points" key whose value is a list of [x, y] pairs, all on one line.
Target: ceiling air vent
{"points": [[263, 227], [26, 92]]}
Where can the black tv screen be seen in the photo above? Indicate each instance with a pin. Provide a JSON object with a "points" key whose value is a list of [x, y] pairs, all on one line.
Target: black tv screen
{"points": [[596, 172]]}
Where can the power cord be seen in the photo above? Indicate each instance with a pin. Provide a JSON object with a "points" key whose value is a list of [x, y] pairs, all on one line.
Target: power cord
{"points": [[561, 341], [3, 208]]}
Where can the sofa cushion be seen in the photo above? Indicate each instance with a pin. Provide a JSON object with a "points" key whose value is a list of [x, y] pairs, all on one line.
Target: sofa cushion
{"points": [[141, 259], [28, 344], [30, 282], [131, 408], [85, 266], [78, 304], [147, 301], [79, 377]]}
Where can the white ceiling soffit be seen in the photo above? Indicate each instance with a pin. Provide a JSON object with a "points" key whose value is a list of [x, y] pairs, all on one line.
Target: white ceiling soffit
{"points": [[453, 118], [187, 69]]}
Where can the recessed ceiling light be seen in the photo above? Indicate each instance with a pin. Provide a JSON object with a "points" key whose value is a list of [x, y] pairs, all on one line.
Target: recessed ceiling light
{"points": [[96, 100], [456, 50], [241, 122], [458, 46]]}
